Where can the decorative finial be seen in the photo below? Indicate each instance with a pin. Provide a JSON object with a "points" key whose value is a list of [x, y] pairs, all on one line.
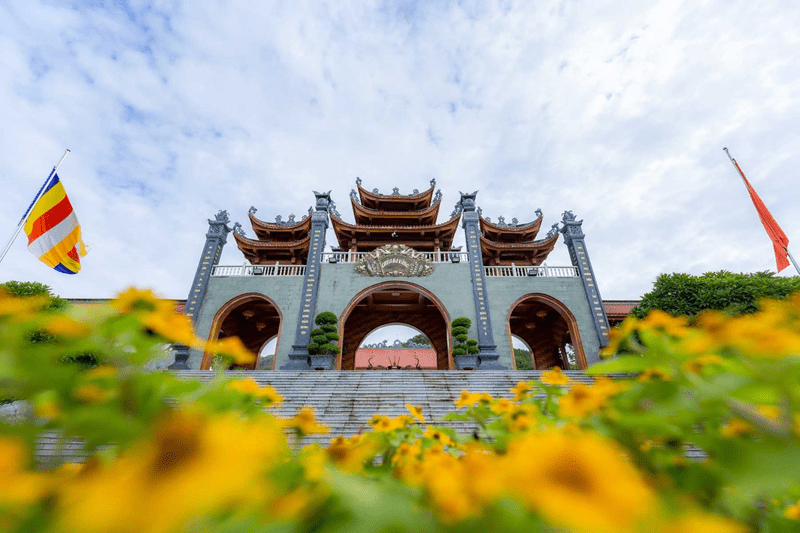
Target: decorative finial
{"points": [[468, 200], [437, 196], [358, 181], [395, 191], [514, 222], [538, 212], [252, 210], [237, 229], [222, 216], [433, 182], [568, 216], [278, 219], [323, 200], [291, 219], [501, 221]]}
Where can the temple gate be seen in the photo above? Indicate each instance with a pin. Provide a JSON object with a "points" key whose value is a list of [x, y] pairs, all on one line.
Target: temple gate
{"points": [[396, 264]]}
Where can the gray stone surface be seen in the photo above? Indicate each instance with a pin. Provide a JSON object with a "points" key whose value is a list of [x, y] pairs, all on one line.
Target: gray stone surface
{"points": [[575, 240], [284, 291], [15, 411], [569, 291], [346, 401]]}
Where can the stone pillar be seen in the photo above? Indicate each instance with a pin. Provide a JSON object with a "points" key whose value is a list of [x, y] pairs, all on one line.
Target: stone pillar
{"points": [[574, 239], [298, 356], [216, 238], [487, 358]]}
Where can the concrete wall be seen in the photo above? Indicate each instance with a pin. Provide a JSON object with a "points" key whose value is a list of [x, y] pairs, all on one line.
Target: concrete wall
{"points": [[283, 290], [450, 283], [504, 291]]}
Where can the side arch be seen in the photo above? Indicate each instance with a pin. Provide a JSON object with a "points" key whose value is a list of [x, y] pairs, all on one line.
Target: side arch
{"points": [[391, 302], [256, 309], [540, 303]]}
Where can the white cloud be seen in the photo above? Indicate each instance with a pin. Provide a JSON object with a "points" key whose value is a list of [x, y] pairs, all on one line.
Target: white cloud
{"points": [[175, 110]]}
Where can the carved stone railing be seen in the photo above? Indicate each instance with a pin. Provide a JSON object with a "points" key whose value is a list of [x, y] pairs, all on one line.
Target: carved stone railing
{"points": [[258, 270], [526, 271], [434, 257]]}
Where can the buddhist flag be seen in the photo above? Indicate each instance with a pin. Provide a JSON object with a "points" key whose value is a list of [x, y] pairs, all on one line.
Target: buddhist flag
{"points": [[54, 234], [780, 241]]}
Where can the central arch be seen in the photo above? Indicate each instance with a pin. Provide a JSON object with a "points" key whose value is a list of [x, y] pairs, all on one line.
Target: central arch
{"points": [[394, 302]]}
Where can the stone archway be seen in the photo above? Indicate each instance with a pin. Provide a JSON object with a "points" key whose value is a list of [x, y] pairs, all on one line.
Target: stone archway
{"points": [[546, 325], [252, 317], [394, 302]]}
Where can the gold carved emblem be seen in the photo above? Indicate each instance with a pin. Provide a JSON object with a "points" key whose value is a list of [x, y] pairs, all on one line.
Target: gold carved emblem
{"points": [[394, 260]]}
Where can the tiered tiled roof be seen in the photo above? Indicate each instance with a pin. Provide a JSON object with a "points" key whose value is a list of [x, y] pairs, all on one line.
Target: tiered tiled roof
{"points": [[382, 219], [504, 244], [283, 242]]}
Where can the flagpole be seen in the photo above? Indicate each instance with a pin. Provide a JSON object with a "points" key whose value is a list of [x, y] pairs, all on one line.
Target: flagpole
{"points": [[792, 259], [28, 211], [744, 180]]}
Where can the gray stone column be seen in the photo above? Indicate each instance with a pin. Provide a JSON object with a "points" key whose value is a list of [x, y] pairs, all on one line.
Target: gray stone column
{"points": [[574, 239], [298, 356], [487, 358], [216, 238]]}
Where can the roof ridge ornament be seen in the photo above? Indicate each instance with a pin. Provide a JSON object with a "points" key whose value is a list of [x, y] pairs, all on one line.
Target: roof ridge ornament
{"points": [[358, 181], [553, 230], [252, 210], [436, 197], [334, 211], [237, 229], [539, 212]]}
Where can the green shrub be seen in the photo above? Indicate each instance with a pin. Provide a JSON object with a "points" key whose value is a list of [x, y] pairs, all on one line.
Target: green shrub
{"points": [[459, 350], [462, 321], [322, 336], [460, 330], [474, 350], [329, 349], [326, 317], [462, 338], [472, 342]]}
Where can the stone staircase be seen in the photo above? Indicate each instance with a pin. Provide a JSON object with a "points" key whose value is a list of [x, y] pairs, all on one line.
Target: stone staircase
{"points": [[346, 400]]}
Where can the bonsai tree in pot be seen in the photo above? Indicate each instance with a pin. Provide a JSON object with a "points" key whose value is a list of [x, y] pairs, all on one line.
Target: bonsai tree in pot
{"points": [[322, 349]]}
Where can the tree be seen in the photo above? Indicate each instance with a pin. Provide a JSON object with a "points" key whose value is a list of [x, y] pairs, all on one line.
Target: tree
{"points": [[418, 339], [523, 359], [31, 289], [27, 289], [736, 294]]}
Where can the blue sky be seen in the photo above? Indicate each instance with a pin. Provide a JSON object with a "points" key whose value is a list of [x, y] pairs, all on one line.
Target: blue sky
{"points": [[618, 111]]}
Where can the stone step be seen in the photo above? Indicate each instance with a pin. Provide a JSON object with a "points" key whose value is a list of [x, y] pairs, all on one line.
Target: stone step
{"points": [[346, 401]]}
